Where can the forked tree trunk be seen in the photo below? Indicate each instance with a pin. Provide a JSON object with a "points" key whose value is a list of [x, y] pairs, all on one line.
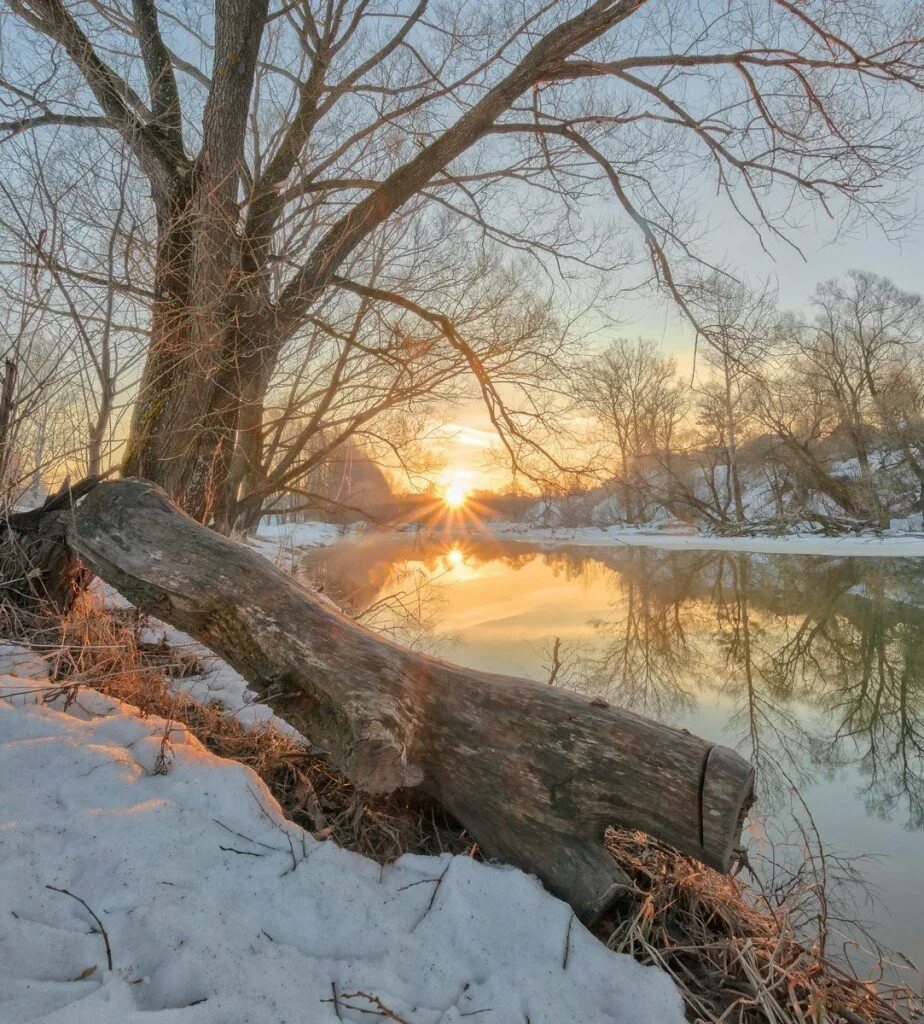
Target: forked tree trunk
{"points": [[535, 773]]}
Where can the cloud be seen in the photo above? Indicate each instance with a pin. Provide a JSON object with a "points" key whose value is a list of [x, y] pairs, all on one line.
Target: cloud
{"points": [[465, 436]]}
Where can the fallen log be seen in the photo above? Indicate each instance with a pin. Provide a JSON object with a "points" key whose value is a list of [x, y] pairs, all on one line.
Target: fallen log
{"points": [[39, 574], [535, 773]]}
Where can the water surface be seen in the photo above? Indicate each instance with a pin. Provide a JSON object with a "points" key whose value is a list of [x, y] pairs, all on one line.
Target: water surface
{"points": [[811, 667]]}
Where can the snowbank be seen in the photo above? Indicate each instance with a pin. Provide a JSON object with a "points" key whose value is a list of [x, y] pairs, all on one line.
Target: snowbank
{"points": [[280, 542], [218, 911], [276, 541], [872, 546]]}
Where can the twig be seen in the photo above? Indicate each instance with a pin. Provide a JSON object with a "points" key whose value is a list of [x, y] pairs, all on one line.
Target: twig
{"points": [[379, 1008], [240, 835], [567, 952], [436, 889], [99, 930], [556, 660]]}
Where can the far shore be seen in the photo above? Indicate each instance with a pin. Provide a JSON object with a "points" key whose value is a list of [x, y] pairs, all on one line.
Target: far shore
{"points": [[909, 545]]}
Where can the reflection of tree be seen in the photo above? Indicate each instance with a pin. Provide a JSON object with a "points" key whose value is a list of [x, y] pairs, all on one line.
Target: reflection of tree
{"points": [[392, 589], [854, 654], [876, 706], [570, 566], [824, 668], [808, 655], [821, 660], [768, 731], [645, 660]]}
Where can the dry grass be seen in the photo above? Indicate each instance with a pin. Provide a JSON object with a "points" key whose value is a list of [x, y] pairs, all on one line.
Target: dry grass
{"points": [[98, 648], [733, 959]]}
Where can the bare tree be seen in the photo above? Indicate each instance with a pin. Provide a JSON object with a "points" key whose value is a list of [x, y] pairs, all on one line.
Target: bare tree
{"points": [[277, 143], [370, 363], [740, 325], [37, 422], [871, 347], [64, 252], [636, 398]]}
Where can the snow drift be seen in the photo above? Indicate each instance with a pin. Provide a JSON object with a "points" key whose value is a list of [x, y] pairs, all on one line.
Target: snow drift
{"points": [[217, 909]]}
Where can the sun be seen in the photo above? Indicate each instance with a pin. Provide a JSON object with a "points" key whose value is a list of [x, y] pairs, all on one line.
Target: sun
{"points": [[455, 494]]}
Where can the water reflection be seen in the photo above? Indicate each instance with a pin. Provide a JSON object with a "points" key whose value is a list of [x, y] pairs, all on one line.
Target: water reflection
{"points": [[807, 665], [811, 667]]}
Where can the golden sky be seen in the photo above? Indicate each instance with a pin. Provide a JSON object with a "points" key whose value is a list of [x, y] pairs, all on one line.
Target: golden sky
{"points": [[467, 449]]}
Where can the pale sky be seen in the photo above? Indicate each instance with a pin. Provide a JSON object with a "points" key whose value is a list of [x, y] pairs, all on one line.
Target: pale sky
{"points": [[470, 448]]}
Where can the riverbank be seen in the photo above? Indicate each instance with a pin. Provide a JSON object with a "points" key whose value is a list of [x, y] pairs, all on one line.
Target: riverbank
{"points": [[195, 868], [278, 538], [145, 879], [868, 546]]}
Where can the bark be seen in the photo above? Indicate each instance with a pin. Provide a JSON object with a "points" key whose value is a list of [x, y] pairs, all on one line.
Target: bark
{"points": [[153, 436], [185, 418], [40, 575], [535, 773], [7, 404]]}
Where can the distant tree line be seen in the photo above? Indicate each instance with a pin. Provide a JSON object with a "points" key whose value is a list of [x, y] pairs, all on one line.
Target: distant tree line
{"points": [[237, 237], [817, 418]]}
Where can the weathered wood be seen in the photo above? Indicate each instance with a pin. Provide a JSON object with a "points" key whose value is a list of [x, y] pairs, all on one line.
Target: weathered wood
{"points": [[39, 574], [535, 773]]}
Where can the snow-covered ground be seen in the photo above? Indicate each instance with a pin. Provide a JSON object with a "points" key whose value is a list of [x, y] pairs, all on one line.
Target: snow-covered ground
{"points": [[217, 910], [873, 546], [217, 682], [279, 541], [283, 540]]}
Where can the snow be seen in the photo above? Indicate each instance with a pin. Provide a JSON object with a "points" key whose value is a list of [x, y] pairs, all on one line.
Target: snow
{"points": [[219, 911], [217, 682], [278, 541], [282, 542], [872, 546]]}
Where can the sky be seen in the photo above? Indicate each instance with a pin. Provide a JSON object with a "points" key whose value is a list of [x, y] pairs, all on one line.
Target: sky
{"points": [[466, 444]]}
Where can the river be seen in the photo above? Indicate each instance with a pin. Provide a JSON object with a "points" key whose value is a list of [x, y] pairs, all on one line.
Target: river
{"points": [[811, 667]]}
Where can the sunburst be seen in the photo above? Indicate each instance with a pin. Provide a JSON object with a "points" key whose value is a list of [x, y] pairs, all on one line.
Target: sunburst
{"points": [[455, 495]]}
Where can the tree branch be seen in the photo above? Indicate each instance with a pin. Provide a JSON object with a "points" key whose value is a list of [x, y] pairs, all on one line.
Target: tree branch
{"points": [[411, 177], [160, 160], [165, 98]]}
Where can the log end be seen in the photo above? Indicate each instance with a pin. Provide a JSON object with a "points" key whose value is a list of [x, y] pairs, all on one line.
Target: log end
{"points": [[727, 792], [380, 762]]}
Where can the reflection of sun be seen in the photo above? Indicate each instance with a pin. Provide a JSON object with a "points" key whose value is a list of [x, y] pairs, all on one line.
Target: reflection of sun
{"points": [[455, 557], [455, 495]]}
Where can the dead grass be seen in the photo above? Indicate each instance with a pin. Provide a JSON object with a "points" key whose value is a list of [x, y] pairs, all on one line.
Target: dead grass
{"points": [[95, 647], [733, 959]]}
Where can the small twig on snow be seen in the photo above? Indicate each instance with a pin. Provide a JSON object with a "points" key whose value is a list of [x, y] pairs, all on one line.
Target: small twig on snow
{"points": [[99, 930], [436, 889], [379, 1009], [567, 952]]}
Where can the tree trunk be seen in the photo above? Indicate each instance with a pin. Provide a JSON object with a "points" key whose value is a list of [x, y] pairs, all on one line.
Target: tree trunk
{"points": [[98, 428], [731, 427], [7, 402], [535, 773], [159, 435]]}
